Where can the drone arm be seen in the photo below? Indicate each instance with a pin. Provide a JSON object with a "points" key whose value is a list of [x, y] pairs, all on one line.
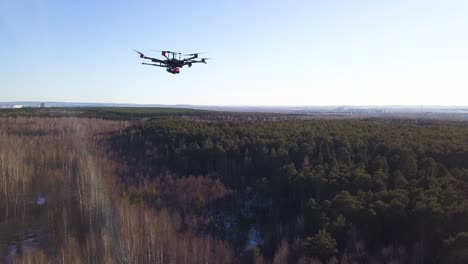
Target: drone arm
{"points": [[152, 64], [157, 60], [191, 58], [149, 58], [201, 61], [152, 59]]}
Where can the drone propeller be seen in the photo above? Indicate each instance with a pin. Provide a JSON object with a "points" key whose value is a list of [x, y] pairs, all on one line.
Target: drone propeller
{"points": [[194, 54], [141, 54], [204, 59], [168, 51]]}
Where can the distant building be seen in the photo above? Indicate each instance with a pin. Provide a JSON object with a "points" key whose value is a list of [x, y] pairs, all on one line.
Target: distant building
{"points": [[17, 106], [42, 105]]}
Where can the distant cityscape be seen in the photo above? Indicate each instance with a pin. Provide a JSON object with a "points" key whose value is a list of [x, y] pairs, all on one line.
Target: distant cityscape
{"points": [[431, 112]]}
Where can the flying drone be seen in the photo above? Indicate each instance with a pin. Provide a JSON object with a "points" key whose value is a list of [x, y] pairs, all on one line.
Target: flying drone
{"points": [[173, 60]]}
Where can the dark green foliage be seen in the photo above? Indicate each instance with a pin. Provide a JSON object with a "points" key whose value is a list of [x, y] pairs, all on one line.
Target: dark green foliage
{"points": [[333, 184], [322, 245]]}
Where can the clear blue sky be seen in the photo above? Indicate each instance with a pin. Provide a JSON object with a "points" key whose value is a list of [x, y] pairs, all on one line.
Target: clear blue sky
{"points": [[264, 52]]}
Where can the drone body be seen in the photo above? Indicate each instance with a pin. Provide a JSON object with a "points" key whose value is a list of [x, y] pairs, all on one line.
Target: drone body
{"points": [[173, 60]]}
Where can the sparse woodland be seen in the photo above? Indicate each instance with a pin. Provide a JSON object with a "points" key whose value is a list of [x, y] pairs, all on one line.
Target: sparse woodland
{"points": [[200, 187], [84, 219]]}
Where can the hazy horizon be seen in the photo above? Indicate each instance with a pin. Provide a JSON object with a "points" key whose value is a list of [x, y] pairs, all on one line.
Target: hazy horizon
{"points": [[234, 105]]}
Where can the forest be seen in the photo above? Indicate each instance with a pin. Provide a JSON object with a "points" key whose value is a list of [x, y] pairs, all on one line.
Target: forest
{"points": [[123, 185]]}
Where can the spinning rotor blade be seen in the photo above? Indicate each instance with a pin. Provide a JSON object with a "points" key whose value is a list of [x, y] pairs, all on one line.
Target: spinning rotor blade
{"points": [[141, 54], [168, 51], [203, 60], [194, 54]]}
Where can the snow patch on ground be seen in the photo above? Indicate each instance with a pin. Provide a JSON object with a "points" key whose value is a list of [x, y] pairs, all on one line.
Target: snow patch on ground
{"points": [[253, 238], [41, 200], [27, 245]]}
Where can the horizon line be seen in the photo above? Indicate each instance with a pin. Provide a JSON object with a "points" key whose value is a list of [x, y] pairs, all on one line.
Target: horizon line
{"points": [[236, 105]]}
